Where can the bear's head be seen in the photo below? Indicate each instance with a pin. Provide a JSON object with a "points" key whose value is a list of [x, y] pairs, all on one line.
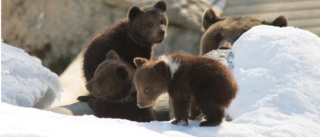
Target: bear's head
{"points": [[148, 25], [112, 79], [221, 33], [150, 80]]}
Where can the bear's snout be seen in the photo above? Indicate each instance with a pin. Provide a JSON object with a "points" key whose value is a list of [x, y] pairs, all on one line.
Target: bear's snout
{"points": [[161, 32], [224, 48], [88, 87]]}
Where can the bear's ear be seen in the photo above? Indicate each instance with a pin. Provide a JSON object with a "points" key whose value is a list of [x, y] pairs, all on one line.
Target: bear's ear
{"points": [[161, 67], [133, 12], [122, 72], [112, 55], [209, 18], [161, 5], [280, 21], [139, 61]]}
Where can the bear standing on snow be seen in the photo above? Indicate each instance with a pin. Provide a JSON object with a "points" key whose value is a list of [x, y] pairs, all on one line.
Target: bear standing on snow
{"points": [[132, 37], [113, 92], [221, 33], [189, 80]]}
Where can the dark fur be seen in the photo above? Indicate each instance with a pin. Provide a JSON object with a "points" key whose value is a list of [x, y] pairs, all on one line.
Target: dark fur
{"points": [[113, 93], [201, 82], [103, 108], [221, 33], [130, 38], [112, 78]]}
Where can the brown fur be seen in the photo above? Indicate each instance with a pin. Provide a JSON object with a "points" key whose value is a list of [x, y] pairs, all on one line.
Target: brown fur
{"points": [[113, 92], [201, 82], [132, 37], [112, 79], [221, 33]]}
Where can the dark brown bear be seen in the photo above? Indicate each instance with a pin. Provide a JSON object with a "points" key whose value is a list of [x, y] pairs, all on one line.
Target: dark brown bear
{"points": [[189, 80], [114, 95], [132, 37], [221, 33]]}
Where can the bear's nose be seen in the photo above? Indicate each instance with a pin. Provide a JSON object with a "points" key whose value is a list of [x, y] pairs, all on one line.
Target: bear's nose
{"points": [[88, 87], [139, 105], [224, 48], [161, 32]]}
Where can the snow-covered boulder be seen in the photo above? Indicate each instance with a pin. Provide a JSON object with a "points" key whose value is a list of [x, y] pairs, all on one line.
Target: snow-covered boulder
{"points": [[25, 82]]}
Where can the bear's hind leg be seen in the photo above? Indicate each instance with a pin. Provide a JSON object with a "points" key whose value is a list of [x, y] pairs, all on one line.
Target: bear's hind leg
{"points": [[194, 110], [214, 113]]}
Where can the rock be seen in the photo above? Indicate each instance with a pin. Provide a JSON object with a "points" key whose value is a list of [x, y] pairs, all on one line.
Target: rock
{"points": [[223, 56], [179, 40], [76, 109], [56, 31]]}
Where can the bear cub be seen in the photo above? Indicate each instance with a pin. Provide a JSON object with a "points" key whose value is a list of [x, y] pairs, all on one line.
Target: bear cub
{"points": [[113, 93], [132, 37], [221, 33], [190, 81]]}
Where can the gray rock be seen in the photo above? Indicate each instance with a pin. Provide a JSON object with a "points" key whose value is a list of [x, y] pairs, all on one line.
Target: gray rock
{"points": [[224, 56], [76, 109]]}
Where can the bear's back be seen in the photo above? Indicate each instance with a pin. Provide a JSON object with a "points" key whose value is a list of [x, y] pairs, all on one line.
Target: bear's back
{"points": [[206, 73]]}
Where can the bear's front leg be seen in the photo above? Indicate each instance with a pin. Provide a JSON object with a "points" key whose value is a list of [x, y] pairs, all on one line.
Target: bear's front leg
{"points": [[85, 98], [180, 108]]}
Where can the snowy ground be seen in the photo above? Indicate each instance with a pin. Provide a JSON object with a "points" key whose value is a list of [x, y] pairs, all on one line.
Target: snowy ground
{"points": [[278, 72], [25, 82]]}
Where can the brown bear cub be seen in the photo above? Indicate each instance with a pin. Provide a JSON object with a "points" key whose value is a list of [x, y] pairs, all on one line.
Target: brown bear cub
{"points": [[113, 92], [221, 33], [189, 80], [132, 37]]}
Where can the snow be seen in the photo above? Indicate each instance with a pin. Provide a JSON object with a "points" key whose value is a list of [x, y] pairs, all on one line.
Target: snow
{"points": [[278, 72], [25, 82]]}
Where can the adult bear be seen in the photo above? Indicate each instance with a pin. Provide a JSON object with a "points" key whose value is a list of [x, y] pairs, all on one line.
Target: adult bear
{"points": [[132, 37], [221, 33]]}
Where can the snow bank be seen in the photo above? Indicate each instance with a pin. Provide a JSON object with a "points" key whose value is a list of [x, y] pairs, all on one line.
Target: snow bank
{"points": [[24, 81], [278, 72]]}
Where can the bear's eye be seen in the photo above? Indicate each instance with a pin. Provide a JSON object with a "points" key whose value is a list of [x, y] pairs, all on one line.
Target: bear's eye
{"points": [[100, 80], [150, 25], [147, 90]]}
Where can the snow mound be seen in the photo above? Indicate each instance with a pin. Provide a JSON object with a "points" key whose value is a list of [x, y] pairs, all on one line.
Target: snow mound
{"points": [[278, 72], [25, 82]]}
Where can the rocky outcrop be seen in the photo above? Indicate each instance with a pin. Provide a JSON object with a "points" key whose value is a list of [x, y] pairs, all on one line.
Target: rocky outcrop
{"points": [[56, 31]]}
